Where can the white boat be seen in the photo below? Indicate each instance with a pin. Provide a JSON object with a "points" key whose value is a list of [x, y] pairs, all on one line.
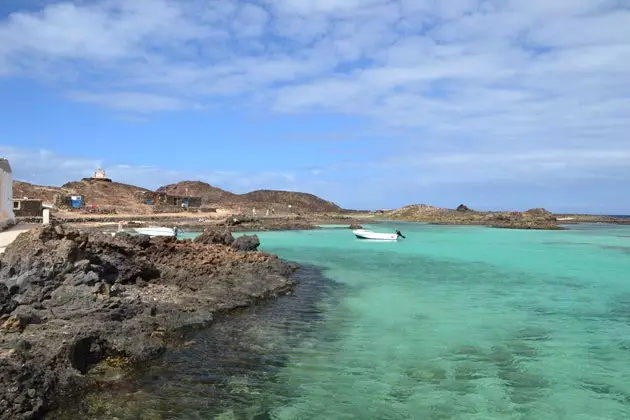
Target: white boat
{"points": [[155, 231], [151, 231], [368, 234]]}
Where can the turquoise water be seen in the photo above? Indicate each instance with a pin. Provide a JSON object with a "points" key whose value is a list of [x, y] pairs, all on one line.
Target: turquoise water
{"points": [[466, 323], [451, 323]]}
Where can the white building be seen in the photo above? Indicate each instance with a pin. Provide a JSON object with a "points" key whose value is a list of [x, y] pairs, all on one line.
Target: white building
{"points": [[99, 174], [6, 194]]}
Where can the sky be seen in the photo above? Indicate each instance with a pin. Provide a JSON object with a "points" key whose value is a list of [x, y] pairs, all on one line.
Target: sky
{"points": [[500, 104]]}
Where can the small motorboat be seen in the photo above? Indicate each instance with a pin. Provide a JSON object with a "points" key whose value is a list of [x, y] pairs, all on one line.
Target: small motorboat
{"points": [[156, 231], [375, 236], [151, 231]]}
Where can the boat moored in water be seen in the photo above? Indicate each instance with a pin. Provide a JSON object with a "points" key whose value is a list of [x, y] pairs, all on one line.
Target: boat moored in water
{"points": [[375, 236]]}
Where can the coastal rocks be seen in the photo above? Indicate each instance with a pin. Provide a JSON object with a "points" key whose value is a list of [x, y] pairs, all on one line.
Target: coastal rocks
{"points": [[221, 236], [236, 220], [354, 226], [538, 212], [246, 243], [532, 219], [69, 300], [247, 223]]}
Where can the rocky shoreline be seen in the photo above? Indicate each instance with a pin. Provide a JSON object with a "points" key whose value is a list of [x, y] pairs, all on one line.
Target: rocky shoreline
{"points": [[536, 219], [75, 304]]}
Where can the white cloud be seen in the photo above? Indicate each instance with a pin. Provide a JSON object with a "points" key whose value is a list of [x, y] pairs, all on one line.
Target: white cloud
{"points": [[485, 81], [133, 101]]}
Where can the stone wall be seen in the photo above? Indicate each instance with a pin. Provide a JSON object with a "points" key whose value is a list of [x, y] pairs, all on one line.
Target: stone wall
{"points": [[28, 208]]}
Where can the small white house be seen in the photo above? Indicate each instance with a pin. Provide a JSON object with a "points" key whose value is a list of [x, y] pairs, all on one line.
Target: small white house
{"points": [[6, 194]]}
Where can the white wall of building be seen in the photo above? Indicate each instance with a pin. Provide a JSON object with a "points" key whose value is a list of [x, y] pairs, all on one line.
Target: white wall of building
{"points": [[6, 193]]}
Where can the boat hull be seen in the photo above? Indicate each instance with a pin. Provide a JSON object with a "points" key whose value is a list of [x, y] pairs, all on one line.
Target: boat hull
{"points": [[374, 236], [157, 231]]}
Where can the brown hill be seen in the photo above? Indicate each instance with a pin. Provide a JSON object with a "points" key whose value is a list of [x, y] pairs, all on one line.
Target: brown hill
{"points": [[125, 197], [109, 194], [209, 194], [26, 190], [261, 198], [297, 200]]}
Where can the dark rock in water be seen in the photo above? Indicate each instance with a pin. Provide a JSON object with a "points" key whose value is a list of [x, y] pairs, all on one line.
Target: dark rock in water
{"points": [[246, 243], [463, 208], [215, 236], [354, 226], [78, 299]]}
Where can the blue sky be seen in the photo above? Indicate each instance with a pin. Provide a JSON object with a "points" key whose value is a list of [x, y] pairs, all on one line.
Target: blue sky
{"points": [[499, 104]]}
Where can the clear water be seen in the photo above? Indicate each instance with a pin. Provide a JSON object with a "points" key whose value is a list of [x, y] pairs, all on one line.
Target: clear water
{"points": [[451, 323]]}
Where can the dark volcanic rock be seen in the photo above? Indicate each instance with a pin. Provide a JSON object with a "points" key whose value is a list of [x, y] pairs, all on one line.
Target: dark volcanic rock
{"points": [[70, 301], [246, 243], [221, 236], [463, 208]]}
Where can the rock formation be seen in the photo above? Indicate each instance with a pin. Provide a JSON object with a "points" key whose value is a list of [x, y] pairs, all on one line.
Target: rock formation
{"points": [[71, 301], [215, 235], [246, 243], [531, 219]]}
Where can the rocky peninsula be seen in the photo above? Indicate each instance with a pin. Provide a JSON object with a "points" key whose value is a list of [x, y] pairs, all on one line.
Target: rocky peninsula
{"points": [[539, 218], [75, 306]]}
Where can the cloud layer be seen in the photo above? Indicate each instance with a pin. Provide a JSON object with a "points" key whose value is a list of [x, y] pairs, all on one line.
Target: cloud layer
{"points": [[496, 88]]}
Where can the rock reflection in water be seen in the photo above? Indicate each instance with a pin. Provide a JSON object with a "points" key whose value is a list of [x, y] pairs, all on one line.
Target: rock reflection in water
{"points": [[225, 372]]}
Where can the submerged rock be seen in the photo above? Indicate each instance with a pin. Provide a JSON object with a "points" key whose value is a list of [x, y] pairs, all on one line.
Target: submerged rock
{"points": [[69, 300]]}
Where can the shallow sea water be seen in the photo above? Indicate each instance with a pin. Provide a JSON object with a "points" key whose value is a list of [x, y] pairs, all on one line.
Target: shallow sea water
{"points": [[453, 322]]}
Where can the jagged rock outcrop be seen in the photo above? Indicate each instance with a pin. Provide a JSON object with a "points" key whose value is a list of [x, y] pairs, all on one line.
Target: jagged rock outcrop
{"points": [[215, 235], [463, 208], [531, 219], [246, 243], [71, 301]]}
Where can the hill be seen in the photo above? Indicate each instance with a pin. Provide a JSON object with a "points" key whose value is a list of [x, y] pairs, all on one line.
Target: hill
{"points": [[297, 200], [109, 194], [26, 190], [209, 194], [261, 199], [124, 197]]}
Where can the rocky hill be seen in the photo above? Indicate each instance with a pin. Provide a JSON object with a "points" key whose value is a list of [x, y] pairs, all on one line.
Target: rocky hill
{"points": [[210, 195], [124, 197], [109, 194], [26, 190], [260, 199], [530, 219], [298, 200]]}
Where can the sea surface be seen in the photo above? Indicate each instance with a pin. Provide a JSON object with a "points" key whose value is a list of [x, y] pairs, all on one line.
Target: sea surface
{"points": [[453, 322]]}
